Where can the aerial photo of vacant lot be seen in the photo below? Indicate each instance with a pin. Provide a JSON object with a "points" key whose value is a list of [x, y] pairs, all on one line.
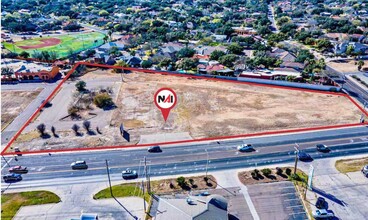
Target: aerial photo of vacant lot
{"points": [[205, 108], [13, 102]]}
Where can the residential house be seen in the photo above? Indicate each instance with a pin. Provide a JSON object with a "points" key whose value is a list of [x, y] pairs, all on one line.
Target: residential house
{"points": [[282, 54], [212, 207], [276, 74], [207, 50], [244, 30], [106, 47], [219, 37]]}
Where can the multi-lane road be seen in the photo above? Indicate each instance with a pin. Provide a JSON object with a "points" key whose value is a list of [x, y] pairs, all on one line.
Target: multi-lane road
{"points": [[46, 170]]}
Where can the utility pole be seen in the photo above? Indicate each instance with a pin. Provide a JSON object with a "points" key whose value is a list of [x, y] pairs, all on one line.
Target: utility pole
{"points": [[296, 157], [147, 176], [144, 201], [207, 162]]}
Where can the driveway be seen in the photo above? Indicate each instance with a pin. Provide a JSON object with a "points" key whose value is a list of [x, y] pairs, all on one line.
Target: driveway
{"points": [[346, 194]]}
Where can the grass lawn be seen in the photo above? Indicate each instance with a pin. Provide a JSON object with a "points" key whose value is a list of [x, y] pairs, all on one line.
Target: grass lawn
{"points": [[11, 202], [121, 190], [75, 41], [351, 165]]}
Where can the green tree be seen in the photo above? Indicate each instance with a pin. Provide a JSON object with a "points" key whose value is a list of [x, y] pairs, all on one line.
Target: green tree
{"points": [[216, 54], [350, 50], [165, 62], [188, 64], [114, 51], [81, 86], [103, 13], [103, 100], [323, 44], [185, 52], [24, 54], [228, 60], [360, 64], [146, 64], [235, 48], [181, 181]]}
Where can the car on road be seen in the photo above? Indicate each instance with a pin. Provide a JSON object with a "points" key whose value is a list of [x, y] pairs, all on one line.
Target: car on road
{"points": [[79, 165], [18, 169], [12, 177], [322, 214], [365, 170], [321, 203], [303, 156], [245, 148], [154, 149], [129, 174], [322, 148]]}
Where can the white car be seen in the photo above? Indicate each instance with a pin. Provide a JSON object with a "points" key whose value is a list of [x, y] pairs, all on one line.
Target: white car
{"points": [[245, 148], [322, 214], [365, 170]]}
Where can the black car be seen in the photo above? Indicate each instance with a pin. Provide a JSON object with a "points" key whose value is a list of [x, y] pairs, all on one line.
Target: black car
{"points": [[303, 156], [154, 149], [322, 148], [13, 177], [321, 203]]}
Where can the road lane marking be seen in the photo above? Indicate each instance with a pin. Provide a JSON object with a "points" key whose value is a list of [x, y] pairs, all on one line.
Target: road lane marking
{"points": [[6, 163]]}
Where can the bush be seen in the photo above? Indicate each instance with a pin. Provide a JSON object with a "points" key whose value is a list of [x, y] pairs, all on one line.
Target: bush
{"points": [[206, 179], [278, 171], [266, 172], [41, 128], [295, 177], [181, 181], [81, 86], [103, 100], [254, 175], [73, 111], [191, 181], [256, 171], [288, 171]]}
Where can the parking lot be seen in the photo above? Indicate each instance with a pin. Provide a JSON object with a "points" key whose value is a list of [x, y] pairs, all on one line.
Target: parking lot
{"points": [[277, 201]]}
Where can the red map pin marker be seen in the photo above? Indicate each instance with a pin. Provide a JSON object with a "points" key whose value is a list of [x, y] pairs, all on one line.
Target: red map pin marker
{"points": [[165, 100]]}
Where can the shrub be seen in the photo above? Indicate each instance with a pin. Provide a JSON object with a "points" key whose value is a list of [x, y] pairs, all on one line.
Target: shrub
{"points": [[181, 181], [191, 181], [206, 179], [278, 171], [81, 86], [295, 177], [254, 175], [73, 111], [41, 128], [288, 171], [266, 172], [103, 100], [256, 171]]}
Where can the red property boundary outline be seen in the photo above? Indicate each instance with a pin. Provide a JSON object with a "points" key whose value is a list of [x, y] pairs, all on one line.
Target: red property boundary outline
{"points": [[3, 152]]}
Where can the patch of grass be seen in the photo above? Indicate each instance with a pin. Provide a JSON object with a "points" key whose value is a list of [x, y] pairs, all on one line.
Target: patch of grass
{"points": [[29, 136], [122, 190], [11, 202], [76, 42], [300, 179], [350, 165]]}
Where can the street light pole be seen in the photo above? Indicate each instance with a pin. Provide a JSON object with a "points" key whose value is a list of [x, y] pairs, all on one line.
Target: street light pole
{"points": [[207, 162], [296, 157]]}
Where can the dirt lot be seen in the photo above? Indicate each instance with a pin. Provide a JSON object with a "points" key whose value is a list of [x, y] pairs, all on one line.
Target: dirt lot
{"points": [[13, 103], [346, 66], [205, 108], [210, 108]]}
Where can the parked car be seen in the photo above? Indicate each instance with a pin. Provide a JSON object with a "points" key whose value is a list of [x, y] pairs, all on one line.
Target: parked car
{"points": [[321, 203], [154, 149], [18, 169], [79, 165], [129, 174], [303, 156], [365, 170], [322, 214], [322, 148], [12, 177], [245, 148]]}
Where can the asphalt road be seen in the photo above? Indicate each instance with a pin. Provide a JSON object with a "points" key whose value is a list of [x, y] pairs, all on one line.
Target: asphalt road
{"points": [[45, 170], [349, 86]]}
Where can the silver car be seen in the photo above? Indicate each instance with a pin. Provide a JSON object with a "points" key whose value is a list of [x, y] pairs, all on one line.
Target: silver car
{"points": [[322, 214], [365, 170], [79, 165]]}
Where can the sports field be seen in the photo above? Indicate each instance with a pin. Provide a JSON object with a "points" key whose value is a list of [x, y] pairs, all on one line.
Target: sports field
{"points": [[60, 44]]}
